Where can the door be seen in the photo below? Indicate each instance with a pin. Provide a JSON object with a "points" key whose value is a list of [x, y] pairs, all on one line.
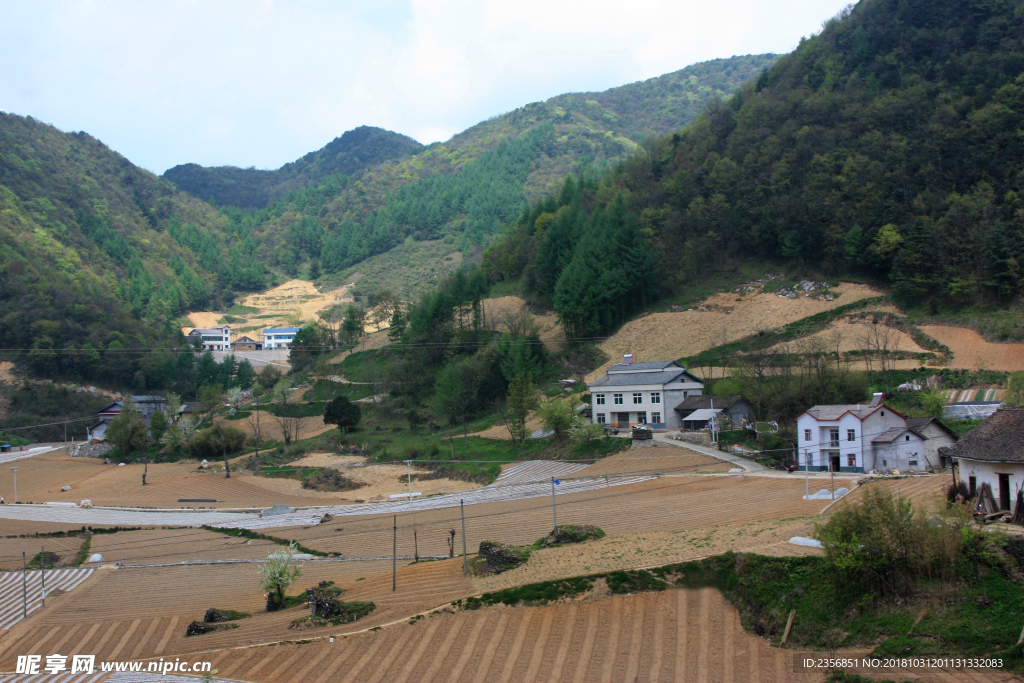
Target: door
{"points": [[833, 462], [624, 420], [1004, 491]]}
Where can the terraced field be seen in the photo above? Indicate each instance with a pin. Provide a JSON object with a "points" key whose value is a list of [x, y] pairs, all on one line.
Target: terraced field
{"points": [[12, 548], [675, 635], [152, 546], [16, 586]]}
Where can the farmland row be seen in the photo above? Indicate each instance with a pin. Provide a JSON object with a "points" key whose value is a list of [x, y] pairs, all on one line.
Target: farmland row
{"points": [[20, 588]]}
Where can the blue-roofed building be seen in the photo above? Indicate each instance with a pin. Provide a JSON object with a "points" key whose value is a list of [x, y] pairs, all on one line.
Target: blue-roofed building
{"points": [[279, 337], [632, 392]]}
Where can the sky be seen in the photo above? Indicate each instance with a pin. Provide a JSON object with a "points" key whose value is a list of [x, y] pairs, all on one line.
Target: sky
{"points": [[262, 82]]}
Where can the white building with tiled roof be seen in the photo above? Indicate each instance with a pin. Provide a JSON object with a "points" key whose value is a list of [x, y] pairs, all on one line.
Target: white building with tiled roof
{"points": [[642, 392], [865, 437]]}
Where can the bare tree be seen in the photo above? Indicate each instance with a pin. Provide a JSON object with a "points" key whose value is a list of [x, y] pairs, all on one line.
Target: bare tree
{"points": [[519, 323], [881, 341]]}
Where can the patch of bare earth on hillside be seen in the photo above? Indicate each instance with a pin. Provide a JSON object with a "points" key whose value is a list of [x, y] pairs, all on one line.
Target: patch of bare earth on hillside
{"points": [[971, 351], [550, 332], [635, 551], [726, 318]]}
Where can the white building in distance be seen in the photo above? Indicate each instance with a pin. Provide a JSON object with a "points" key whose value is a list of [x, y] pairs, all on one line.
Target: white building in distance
{"points": [[642, 392]]}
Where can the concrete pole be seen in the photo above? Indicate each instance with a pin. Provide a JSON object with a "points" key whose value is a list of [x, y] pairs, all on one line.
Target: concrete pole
{"points": [[554, 509], [465, 562], [15, 470], [408, 467], [24, 586], [807, 473], [42, 573], [394, 554]]}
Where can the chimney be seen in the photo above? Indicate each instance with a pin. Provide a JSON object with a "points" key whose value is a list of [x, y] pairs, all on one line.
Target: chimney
{"points": [[876, 399], [627, 358]]}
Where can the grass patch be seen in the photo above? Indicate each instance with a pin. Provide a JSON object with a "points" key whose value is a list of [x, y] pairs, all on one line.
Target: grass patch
{"points": [[532, 594], [239, 309], [214, 615], [238, 415], [254, 535], [83, 553]]}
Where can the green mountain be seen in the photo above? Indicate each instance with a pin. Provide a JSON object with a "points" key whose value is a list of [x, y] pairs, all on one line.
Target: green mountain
{"points": [[464, 190], [98, 253], [889, 144], [249, 188]]}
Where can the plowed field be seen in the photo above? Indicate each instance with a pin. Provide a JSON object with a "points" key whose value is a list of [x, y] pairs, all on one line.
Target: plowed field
{"points": [[971, 351], [668, 336], [152, 546]]}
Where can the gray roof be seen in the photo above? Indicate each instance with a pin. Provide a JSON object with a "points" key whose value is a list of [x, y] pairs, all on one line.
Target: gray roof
{"points": [[893, 433], [201, 331], [919, 423], [1000, 438], [654, 365], [628, 378], [148, 399], [861, 410], [704, 401]]}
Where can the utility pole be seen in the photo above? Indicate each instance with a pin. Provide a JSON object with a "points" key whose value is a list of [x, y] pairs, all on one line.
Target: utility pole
{"points": [[713, 438], [807, 475], [24, 586], [465, 562], [42, 573], [408, 467], [554, 510], [15, 470], [394, 554]]}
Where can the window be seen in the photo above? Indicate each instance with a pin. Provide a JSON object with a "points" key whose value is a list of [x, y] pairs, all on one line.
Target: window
{"points": [[885, 463], [638, 397], [685, 394], [655, 397], [600, 399], [807, 435], [908, 437], [883, 413], [833, 436], [851, 460], [600, 418], [851, 434], [618, 399], [655, 417], [913, 462]]}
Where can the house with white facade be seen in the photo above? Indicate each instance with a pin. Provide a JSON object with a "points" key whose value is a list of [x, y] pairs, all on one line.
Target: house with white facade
{"points": [[866, 437], [279, 337], [213, 339], [993, 453], [633, 392]]}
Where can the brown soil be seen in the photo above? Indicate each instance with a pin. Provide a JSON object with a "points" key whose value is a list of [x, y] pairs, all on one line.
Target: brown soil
{"points": [[153, 546], [971, 351], [673, 635], [669, 336], [551, 333], [270, 428], [379, 481], [295, 299]]}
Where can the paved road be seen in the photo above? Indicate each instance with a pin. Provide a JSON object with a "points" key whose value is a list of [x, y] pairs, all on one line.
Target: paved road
{"points": [[739, 461], [11, 456]]}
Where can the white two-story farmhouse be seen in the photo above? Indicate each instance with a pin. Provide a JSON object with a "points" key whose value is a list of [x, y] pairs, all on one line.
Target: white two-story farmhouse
{"points": [[867, 437], [214, 339], [642, 392]]}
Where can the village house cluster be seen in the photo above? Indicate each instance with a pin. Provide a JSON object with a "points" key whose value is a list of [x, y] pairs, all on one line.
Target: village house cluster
{"points": [[219, 339]]}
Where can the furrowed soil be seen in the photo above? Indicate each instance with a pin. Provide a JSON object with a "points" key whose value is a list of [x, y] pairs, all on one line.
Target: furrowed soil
{"points": [[673, 335], [971, 351]]}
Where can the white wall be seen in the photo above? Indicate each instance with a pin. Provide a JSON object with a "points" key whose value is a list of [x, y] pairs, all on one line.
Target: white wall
{"points": [[989, 472], [668, 399]]}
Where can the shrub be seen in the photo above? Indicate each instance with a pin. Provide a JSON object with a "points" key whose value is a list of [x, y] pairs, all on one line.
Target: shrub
{"points": [[212, 443]]}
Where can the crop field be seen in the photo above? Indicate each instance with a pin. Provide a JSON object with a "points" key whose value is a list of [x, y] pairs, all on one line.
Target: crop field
{"points": [[726, 318], [12, 548], [16, 586], [154, 546], [675, 635], [971, 351], [662, 504]]}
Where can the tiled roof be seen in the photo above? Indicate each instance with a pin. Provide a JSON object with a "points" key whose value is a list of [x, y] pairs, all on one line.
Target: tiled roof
{"points": [[893, 433], [703, 401], [861, 410], [620, 379], [919, 423], [1000, 438], [653, 365]]}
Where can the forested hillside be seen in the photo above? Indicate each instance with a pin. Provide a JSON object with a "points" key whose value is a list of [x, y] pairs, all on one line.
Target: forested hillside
{"points": [[484, 177], [250, 188], [98, 256], [889, 144]]}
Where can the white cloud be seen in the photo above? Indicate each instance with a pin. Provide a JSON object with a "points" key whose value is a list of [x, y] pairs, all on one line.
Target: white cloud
{"points": [[261, 83]]}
